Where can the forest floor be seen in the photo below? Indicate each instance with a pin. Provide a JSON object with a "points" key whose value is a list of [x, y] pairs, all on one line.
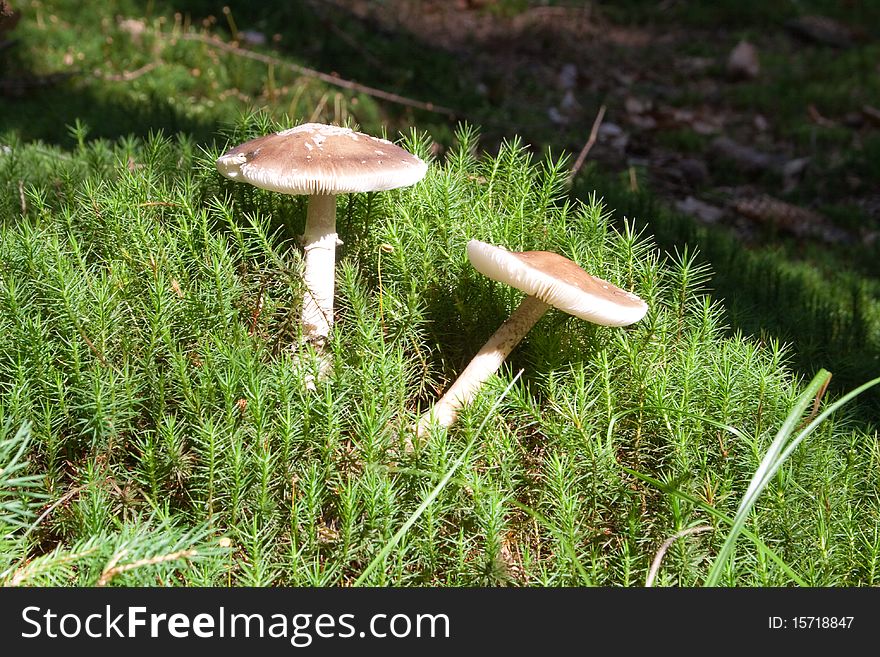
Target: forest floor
{"points": [[750, 125], [150, 383], [767, 121]]}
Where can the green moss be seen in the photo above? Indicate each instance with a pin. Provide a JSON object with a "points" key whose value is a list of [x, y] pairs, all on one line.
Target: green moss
{"points": [[147, 334]]}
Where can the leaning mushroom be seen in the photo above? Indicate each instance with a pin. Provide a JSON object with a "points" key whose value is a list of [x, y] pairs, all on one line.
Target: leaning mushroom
{"points": [[548, 279], [321, 161]]}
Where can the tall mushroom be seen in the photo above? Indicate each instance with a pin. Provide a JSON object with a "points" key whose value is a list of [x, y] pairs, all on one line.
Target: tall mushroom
{"points": [[321, 161], [548, 279]]}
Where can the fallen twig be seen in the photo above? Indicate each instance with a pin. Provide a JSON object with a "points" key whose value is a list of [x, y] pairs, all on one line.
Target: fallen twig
{"points": [[658, 558], [112, 569], [594, 133], [324, 77], [128, 76]]}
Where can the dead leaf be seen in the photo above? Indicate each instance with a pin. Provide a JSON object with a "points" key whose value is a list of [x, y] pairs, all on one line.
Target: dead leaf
{"points": [[510, 559], [327, 533], [643, 121], [817, 118], [743, 63], [567, 111], [175, 286], [792, 172], [745, 157], [567, 78], [789, 218], [705, 212], [635, 105], [613, 135]]}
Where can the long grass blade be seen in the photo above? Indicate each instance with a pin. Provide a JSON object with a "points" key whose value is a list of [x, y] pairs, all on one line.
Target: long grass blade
{"points": [[386, 549]]}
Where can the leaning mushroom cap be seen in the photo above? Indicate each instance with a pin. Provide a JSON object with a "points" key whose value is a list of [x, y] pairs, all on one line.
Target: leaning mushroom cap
{"points": [[558, 281], [321, 159]]}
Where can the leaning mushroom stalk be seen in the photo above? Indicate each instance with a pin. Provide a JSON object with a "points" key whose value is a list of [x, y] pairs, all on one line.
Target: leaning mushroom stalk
{"points": [[319, 260], [487, 361], [548, 279]]}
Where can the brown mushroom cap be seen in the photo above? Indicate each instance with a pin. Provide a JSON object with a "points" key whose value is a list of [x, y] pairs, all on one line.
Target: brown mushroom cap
{"points": [[321, 159], [558, 281]]}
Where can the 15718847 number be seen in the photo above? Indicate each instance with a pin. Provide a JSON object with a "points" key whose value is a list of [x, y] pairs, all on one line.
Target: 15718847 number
{"points": [[810, 622]]}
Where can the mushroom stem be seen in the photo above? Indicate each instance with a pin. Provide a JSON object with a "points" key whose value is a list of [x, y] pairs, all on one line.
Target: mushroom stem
{"points": [[319, 245], [484, 364]]}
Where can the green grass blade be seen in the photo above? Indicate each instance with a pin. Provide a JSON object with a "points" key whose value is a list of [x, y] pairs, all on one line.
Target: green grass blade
{"points": [[812, 426], [781, 448], [532, 513], [386, 550], [762, 547]]}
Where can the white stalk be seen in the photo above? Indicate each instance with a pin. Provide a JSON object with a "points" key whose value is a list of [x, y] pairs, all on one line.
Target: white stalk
{"points": [[484, 364], [319, 245]]}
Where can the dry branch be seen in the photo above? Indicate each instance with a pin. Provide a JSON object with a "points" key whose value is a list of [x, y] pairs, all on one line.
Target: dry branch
{"points": [[214, 42], [112, 569], [128, 76], [658, 558], [594, 133]]}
